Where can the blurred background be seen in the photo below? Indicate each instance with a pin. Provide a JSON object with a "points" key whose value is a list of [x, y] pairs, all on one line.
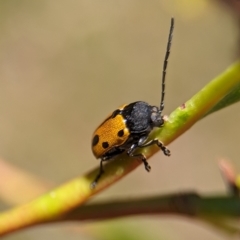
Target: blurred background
{"points": [[65, 65]]}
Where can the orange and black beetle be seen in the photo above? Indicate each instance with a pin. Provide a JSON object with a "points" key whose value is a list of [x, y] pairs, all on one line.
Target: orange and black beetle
{"points": [[128, 127]]}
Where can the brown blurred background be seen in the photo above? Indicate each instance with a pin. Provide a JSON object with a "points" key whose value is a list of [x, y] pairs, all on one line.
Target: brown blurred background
{"points": [[65, 65]]}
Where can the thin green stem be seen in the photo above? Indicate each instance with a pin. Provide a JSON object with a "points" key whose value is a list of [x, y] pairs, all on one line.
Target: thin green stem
{"points": [[63, 199]]}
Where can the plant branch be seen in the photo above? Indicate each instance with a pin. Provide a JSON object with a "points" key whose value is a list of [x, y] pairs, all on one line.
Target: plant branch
{"points": [[187, 204], [56, 203]]}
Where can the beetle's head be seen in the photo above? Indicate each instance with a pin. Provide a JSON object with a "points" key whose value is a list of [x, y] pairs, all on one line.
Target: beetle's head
{"points": [[156, 117]]}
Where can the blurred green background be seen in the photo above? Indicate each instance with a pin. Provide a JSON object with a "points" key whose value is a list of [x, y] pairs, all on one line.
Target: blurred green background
{"points": [[65, 65]]}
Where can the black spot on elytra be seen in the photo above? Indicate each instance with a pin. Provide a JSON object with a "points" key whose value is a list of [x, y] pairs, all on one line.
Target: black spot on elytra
{"points": [[120, 133], [105, 145], [95, 140]]}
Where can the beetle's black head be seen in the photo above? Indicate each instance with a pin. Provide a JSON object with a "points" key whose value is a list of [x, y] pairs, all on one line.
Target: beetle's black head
{"points": [[156, 117]]}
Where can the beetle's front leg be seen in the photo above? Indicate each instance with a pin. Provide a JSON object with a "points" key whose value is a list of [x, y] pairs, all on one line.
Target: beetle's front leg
{"points": [[165, 150], [140, 155]]}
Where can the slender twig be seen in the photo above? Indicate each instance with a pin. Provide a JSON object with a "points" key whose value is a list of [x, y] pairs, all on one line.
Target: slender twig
{"points": [[186, 204]]}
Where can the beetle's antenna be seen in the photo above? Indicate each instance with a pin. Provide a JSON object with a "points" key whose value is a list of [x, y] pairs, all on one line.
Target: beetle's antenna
{"points": [[165, 63]]}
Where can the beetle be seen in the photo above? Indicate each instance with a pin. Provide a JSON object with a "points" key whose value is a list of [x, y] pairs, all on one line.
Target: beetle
{"points": [[129, 126]]}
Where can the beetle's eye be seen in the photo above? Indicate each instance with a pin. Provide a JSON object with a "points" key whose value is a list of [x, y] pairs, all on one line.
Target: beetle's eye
{"points": [[154, 117], [155, 109], [157, 119]]}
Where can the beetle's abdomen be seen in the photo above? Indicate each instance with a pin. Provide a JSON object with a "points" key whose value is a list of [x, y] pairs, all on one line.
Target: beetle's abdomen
{"points": [[111, 133]]}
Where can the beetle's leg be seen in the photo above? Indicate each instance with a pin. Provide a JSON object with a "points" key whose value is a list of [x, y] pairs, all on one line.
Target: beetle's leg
{"points": [[104, 159], [140, 155], [160, 145], [101, 172]]}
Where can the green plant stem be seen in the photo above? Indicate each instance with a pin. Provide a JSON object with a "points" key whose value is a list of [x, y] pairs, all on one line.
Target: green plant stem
{"points": [[63, 199]]}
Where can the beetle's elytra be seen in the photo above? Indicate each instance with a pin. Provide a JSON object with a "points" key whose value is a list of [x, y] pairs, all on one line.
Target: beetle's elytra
{"points": [[128, 127]]}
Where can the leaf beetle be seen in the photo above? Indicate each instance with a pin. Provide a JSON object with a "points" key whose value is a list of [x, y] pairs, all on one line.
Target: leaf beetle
{"points": [[128, 127]]}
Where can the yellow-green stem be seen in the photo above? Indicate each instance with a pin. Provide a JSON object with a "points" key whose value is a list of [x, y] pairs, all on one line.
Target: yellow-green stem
{"points": [[52, 205]]}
